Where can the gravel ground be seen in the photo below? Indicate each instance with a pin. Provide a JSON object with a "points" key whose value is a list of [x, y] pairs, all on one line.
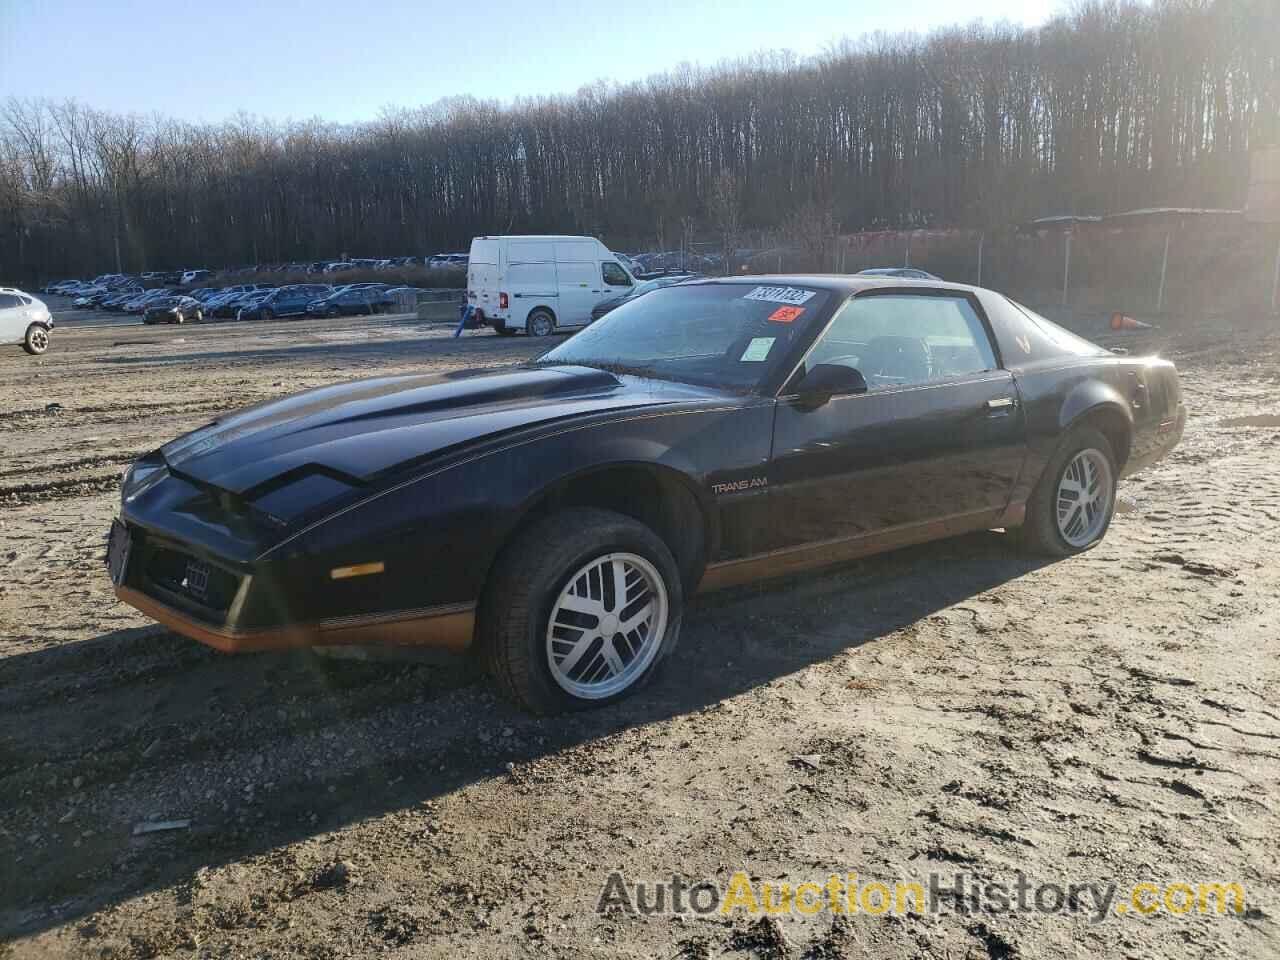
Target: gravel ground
{"points": [[955, 707]]}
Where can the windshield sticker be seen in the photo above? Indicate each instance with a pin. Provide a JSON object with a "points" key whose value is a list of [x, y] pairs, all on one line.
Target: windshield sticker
{"points": [[757, 349], [791, 295], [786, 314]]}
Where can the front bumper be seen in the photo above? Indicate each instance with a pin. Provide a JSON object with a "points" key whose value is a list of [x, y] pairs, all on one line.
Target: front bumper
{"points": [[225, 599], [450, 628]]}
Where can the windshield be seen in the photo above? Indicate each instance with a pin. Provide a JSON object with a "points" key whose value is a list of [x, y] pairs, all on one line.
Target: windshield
{"points": [[722, 335]]}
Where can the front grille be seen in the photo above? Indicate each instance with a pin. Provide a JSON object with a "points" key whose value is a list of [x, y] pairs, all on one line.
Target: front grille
{"points": [[191, 579]]}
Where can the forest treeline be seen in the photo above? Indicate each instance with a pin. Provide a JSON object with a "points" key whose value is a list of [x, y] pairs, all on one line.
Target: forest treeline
{"points": [[1111, 105]]}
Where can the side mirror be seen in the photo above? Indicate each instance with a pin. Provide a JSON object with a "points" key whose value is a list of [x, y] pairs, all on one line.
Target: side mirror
{"points": [[827, 380]]}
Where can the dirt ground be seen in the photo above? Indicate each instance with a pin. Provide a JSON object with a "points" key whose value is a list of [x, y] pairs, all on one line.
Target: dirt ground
{"points": [[957, 707]]}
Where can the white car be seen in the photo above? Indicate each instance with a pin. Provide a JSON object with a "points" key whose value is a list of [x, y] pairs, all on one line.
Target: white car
{"points": [[25, 320]]}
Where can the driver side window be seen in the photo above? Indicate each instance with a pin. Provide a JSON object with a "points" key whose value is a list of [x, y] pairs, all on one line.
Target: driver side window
{"points": [[614, 275], [898, 340]]}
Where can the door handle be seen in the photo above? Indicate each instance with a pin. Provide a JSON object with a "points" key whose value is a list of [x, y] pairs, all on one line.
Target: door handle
{"points": [[1001, 403]]}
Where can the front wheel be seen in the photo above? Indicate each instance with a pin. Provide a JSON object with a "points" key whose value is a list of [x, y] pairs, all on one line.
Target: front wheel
{"points": [[1072, 505], [36, 340], [582, 610]]}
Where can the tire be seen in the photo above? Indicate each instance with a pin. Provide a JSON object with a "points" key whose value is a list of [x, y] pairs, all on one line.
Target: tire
{"points": [[268, 314], [530, 582], [199, 317], [1084, 454], [540, 323], [501, 329], [36, 340]]}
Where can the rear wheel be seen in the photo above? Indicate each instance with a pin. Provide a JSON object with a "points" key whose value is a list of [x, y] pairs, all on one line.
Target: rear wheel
{"points": [[540, 323], [36, 340], [1072, 505], [582, 610]]}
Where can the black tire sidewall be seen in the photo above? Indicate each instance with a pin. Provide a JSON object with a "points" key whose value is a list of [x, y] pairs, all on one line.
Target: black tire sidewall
{"points": [[528, 324], [591, 534], [1044, 535], [28, 346]]}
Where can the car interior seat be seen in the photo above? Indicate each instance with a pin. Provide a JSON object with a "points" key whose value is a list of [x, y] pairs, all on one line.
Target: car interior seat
{"points": [[897, 360]]}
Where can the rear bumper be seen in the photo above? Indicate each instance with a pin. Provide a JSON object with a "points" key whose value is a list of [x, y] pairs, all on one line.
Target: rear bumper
{"points": [[446, 627], [1164, 438]]}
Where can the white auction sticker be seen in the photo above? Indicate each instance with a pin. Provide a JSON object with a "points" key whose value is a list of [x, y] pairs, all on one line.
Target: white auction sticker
{"points": [[790, 295], [758, 349]]}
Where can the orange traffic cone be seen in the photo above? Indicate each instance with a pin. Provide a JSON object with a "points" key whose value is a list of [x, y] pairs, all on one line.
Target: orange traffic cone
{"points": [[1120, 321]]}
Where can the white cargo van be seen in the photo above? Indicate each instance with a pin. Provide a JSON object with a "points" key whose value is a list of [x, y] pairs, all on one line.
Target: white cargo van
{"points": [[541, 284]]}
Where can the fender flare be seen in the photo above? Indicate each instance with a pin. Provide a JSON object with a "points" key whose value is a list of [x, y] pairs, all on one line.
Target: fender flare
{"points": [[677, 475], [1090, 398]]}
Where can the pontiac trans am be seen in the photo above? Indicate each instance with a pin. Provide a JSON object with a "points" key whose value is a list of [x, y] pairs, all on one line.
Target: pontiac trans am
{"points": [[553, 517]]}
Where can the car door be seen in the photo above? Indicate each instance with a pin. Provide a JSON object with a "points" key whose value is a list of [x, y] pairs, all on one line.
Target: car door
{"points": [[13, 318], [286, 303], [936, 441]]}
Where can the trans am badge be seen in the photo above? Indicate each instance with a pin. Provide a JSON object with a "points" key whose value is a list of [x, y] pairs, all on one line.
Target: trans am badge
{"points": [[739, 486]]}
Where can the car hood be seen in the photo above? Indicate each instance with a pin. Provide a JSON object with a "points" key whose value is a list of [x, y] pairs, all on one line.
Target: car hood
{"points": [[356, 433]]}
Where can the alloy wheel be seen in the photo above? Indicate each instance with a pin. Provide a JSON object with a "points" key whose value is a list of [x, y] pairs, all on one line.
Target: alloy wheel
{"points": [[606, 626], [1084, 497], [39, 340]]}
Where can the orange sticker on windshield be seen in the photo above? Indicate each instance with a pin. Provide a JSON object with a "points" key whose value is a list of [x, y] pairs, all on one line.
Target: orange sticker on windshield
{"points": [[786, 314]]}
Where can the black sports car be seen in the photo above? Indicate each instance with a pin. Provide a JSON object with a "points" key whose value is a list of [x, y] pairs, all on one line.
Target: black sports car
{"points": [[555, 515], [173, 310]]}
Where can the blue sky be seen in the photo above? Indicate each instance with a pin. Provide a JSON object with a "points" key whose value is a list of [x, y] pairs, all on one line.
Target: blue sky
{"points": [[345, 61]]}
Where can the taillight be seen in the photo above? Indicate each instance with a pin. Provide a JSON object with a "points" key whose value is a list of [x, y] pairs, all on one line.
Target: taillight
{"points": [[502, 301]]}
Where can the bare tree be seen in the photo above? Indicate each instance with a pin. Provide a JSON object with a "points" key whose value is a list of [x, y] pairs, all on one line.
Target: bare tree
{"points": [[1113, 103]]}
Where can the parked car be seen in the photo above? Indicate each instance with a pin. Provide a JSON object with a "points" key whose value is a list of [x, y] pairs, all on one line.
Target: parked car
{"points": [[245, 306], [362, 300], [89, 297], [195, 276], [232, 306], [448, 261], [362, 286], [290, 301], [143, 300], [541, 284], [229, 301], [24, 319], [173, 310], [707, 434], [639, 290], [903, 273], [114, 302]]}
